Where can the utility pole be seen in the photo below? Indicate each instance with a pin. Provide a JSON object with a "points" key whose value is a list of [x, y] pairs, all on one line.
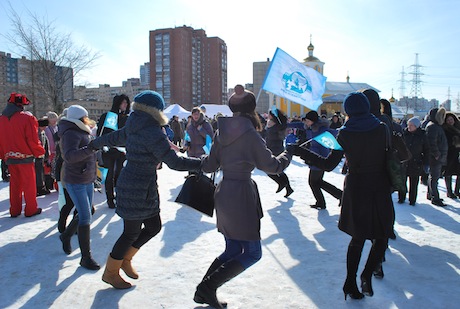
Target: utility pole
{"points": [[416, 89], [402, 87]]}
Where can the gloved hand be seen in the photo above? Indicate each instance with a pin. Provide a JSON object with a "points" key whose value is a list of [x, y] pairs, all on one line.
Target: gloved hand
{"points": [[295, 150], [91, 146]]}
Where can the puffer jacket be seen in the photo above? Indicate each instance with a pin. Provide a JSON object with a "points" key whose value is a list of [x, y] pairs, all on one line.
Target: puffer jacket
{"points": [[79, 165], [437, 140], [146, 146]]}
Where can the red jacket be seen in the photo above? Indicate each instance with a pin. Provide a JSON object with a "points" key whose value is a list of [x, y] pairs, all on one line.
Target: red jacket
{"points": [[19, 137]]}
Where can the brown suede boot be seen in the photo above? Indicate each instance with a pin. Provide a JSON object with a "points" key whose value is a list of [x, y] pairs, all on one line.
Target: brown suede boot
{"points": [[126, 265], [112, 274]]}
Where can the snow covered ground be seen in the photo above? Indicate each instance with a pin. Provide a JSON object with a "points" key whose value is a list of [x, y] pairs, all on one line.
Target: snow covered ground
{"points": [[303, 263]]}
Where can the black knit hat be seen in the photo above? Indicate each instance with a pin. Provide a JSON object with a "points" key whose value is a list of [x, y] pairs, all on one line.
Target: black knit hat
{"points": [[244, 102], [312, 115]]}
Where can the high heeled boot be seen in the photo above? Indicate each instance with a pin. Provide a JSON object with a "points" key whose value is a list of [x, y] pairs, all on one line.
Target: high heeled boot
{"points": [[84, 241], [206, 290], [350, 288], [375, 257]]}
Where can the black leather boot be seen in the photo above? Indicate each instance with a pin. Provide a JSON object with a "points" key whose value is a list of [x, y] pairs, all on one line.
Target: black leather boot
{"points": [[280, 181], [206, 290], [66, 236], [375, 257], [84, 241], [350, 288], [214, 266]]}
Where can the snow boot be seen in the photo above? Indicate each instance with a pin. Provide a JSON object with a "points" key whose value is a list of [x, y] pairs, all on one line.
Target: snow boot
{"points": [[126, 265], [206, 290], [112, 274], [84, 241]]}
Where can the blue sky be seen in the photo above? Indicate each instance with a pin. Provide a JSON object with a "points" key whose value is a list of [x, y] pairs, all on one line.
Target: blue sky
{"points": [[372, 41]]}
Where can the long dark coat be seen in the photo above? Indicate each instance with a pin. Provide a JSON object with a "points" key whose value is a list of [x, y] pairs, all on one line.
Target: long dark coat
{"points": [[417, 144], [367, 208], [238, 148], [146, 146], [437, 140], [453, 151]]}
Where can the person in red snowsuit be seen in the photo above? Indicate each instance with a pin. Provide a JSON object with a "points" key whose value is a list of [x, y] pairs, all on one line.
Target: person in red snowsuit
{"points": [[19, 146]]}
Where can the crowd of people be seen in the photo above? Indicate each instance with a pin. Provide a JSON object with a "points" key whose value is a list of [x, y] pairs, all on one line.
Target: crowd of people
{"points": [[132, 140]]}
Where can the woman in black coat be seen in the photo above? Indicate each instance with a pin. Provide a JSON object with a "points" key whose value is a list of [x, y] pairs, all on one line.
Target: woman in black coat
{"points": [[416, 142], [113, 159], [367, 208], [451, 127], [275, 134]]}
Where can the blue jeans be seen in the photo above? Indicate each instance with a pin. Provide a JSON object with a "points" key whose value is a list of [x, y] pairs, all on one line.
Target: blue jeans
{"points": [[245, 252], [82, 197]]}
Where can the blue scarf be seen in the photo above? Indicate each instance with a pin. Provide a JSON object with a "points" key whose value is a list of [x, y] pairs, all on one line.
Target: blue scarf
{"points": [[361, 123]]}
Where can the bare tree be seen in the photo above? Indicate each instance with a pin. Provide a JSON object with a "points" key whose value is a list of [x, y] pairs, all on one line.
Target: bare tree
{"points": [[54, 58]]}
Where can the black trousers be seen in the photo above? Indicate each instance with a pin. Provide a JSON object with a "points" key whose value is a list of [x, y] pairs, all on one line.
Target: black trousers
{"points": [[135, 235], [413, 189], [114, 164], [316, 182]]}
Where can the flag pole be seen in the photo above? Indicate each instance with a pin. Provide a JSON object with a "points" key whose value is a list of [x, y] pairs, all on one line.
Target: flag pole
{"points": [[258, 95]]}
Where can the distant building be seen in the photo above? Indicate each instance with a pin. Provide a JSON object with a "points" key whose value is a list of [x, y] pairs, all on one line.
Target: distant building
{"points": [[145, 74], [332, 99], [420, 106], [29, 77], [99, 100], [187, 67]]}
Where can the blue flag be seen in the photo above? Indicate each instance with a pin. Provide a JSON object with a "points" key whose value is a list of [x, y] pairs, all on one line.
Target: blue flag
{"points": [[187, 137], [111, 121], [290, 79], [327, 140], [207, 147]]}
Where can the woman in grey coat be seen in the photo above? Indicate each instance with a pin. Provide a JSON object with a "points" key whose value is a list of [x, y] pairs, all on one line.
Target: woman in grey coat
{"points": [[238, 148], [138, 202]]}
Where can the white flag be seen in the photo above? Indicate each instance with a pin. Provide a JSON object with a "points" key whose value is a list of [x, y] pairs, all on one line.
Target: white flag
{"points": [[290, 79]]}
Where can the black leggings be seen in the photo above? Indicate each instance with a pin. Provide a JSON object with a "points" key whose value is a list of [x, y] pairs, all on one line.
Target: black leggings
{"points": [[136, 236]]}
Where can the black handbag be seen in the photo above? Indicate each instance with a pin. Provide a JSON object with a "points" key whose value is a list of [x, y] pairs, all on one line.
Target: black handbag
{"points": [[198, 193]]}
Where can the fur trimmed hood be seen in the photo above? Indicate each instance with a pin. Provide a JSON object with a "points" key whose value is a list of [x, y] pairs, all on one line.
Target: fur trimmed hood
{"points": [[156, 114]]}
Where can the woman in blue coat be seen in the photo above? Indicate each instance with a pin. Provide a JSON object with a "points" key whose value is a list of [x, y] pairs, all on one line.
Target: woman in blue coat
{"points": [[138, 202]]}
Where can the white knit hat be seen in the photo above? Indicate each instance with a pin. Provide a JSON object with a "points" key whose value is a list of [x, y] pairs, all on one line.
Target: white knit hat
{"points": [[76, 112]]}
